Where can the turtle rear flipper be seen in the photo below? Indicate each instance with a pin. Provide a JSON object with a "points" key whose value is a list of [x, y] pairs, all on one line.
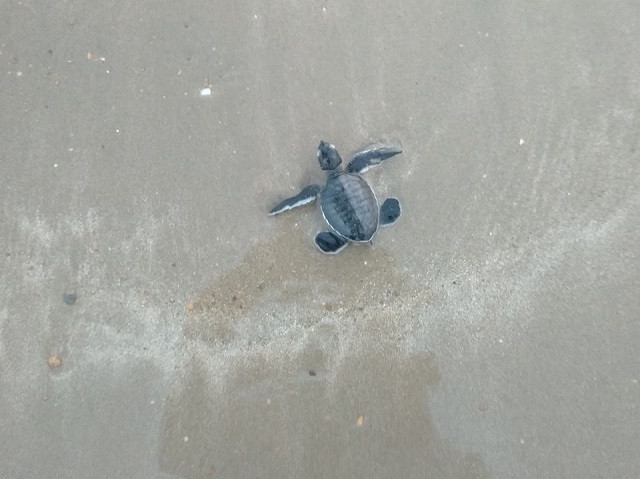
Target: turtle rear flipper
{"points": [[370, 156], [307, 195], [390, 211], [330, 243]]}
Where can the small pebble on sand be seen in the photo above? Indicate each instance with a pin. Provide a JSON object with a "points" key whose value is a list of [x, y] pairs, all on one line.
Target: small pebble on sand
{"points": [[69, 298], [54, 361]]}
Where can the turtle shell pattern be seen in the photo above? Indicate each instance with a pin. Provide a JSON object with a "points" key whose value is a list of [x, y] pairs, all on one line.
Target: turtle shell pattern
{"points": [[350, 207]]}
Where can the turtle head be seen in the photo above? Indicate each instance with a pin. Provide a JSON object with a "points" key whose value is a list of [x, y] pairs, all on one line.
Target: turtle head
{"points": [[328, 156]]}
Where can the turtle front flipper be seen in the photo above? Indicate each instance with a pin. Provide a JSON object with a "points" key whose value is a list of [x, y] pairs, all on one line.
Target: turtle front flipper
{"points": [[370, 156], [307, 195], [330, 243], [390, 211]]}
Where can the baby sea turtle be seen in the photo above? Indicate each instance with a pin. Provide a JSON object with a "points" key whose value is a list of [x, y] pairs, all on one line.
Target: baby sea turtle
{"points": [[348, 203]]}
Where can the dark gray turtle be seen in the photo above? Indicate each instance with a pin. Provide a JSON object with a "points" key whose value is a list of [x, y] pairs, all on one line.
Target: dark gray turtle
{"points": [[348, 203]]}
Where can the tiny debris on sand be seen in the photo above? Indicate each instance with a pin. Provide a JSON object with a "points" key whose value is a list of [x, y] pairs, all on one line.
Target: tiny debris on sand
{"points": [[69, 298], [54, 361], [360, 420], [190, 307], [94, 57]]}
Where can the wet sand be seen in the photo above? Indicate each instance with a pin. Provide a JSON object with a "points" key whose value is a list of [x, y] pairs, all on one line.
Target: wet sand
{"points": [[155, 322]]}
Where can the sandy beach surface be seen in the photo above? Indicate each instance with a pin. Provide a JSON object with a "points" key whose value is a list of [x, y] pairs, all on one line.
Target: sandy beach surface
{"points": [[156, 323]]}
